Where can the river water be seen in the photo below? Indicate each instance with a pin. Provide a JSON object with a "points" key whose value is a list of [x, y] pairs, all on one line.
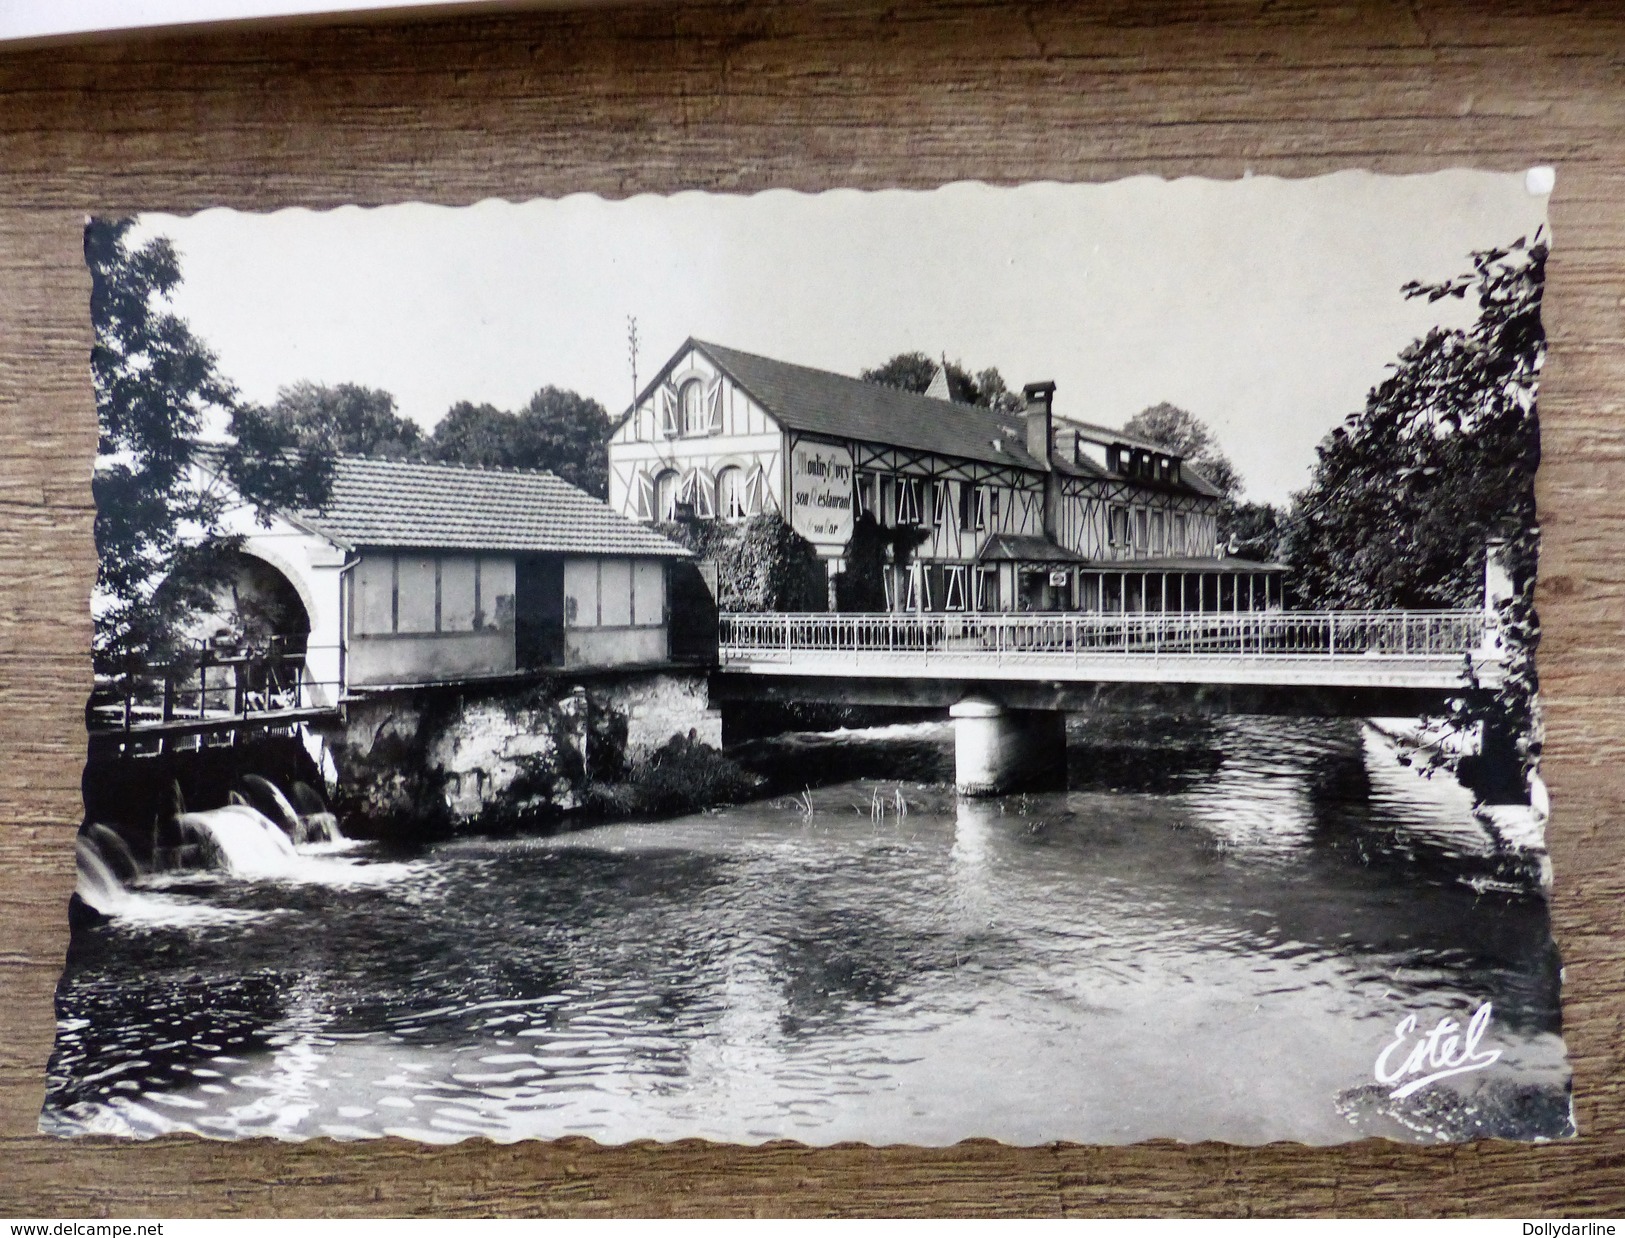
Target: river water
{"points": [[1210, 935]]}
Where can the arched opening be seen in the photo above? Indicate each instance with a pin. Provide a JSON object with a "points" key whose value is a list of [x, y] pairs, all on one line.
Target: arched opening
{"points": [[255, 609]]}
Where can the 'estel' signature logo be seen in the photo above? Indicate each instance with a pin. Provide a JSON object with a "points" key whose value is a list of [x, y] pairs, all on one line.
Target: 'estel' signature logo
{"points": [[1446, 1050]]}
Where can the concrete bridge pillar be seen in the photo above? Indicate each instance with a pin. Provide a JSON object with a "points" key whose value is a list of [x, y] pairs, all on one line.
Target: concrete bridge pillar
{"points": [[998, 749]]}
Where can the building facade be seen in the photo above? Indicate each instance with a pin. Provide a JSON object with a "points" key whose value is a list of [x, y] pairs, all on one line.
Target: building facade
{"points": [[413, 574], [1013, 511]]}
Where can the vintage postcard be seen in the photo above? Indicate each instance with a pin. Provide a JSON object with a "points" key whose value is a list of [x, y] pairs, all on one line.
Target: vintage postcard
{"points": [[1037, 663]]}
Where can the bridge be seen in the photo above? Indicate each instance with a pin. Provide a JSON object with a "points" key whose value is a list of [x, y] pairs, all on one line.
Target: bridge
{"points": [[1009, 679], [207, 695]]}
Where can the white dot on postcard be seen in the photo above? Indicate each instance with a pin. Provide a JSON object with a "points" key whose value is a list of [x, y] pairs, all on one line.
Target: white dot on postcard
{"points": [[1540, 181]]}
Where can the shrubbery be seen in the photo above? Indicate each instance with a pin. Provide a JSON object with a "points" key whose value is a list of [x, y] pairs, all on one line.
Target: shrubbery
{"points": [[761, 565], [684, 775]]}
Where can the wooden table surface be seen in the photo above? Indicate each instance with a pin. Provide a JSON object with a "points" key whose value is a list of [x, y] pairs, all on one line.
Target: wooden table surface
{"points": [[743, 97]]}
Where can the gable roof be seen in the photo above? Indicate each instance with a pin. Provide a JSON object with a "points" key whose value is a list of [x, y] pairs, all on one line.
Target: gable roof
{"points": [[404, 504], [813, 401]]}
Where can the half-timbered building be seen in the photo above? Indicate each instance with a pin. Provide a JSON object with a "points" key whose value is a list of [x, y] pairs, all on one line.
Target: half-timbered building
{"points": [[1017, 510]]}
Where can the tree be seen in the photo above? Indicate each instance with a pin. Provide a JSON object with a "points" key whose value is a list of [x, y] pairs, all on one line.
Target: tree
{"points": [[568, 434], [476, 434], [1252, 530], [1406, 494], [558, 430], [160, 548], [348, 419], [1187, 436], [914, 371], [874, 549], [909, 371]]}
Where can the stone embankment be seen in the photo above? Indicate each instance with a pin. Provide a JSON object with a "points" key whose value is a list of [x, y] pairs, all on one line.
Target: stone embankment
{"points": [[508, 757]]}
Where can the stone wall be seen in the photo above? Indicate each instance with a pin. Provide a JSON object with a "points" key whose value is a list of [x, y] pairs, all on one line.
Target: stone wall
{"points": [[478, 757]]}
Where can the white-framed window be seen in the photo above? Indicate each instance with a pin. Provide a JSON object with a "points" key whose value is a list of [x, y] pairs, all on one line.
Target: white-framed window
{"points": [[758, 498], [953, 586], [918, 597], [733, 494], [670, 425], [1159, 532], [1142, 529], [642, 493], [940, 503], [865, 483], [696, 420], [665, 495], [713, 407], [1117, 525], [1181, 544], [909, 501], [987, 588], [697, 492], [978, 507]]}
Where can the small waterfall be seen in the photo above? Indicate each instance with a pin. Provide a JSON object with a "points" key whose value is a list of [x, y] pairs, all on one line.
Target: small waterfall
{"points": [[98, 886], [241, 839], [310, 822], [317, 824], [113, 850], [263, 794]]}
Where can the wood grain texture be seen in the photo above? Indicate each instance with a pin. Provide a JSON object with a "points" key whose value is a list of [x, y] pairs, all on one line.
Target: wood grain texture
{"points": [[744, 97]]}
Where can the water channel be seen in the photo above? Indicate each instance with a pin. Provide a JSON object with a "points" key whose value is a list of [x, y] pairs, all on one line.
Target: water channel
{"points": [[1210, 934]]}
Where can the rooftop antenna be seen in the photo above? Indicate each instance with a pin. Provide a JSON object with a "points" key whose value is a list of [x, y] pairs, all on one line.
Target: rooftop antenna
{"points": [[632, 351]]}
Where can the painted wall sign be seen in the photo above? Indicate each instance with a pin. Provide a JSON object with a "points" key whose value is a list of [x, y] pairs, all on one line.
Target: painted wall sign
{"points": [[821, 493]]}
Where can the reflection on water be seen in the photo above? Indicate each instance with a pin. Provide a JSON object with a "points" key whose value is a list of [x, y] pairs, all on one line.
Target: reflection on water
{"points": [[1210, 935]]}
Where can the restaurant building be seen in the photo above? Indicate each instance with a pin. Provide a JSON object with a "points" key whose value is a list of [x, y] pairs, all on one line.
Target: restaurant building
{"points": [[1016, 511]]}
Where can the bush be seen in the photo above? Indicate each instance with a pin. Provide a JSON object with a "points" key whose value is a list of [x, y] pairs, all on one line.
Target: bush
{"points": [[769, 566], [684, 775], [763, 564]]}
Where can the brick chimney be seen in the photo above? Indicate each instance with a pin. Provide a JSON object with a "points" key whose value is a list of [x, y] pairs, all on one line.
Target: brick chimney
{"points": [[1040, 396], [1040, 423]]}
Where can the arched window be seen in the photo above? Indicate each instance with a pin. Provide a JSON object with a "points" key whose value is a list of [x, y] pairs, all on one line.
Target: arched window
{"points": [[695, 420], [666, 496], [733, 498]]}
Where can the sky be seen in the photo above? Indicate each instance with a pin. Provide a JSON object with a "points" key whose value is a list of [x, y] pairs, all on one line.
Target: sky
{"points": [[1266, 307]]}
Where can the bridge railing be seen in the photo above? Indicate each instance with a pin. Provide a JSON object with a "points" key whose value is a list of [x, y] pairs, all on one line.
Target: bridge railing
{"points": [[1410, 634]]}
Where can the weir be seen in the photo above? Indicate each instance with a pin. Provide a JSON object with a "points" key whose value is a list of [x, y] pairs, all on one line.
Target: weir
{"points": [[256, 834]]}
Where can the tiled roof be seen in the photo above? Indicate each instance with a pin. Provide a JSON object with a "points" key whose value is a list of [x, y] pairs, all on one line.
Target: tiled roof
{"points": [[1026, 548], [400, 503], [819, 402], [1030, 548], [1229, 564]]}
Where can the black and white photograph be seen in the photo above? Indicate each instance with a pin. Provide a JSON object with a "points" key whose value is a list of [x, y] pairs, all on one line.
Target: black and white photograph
{"points": [[1051, 662]]}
